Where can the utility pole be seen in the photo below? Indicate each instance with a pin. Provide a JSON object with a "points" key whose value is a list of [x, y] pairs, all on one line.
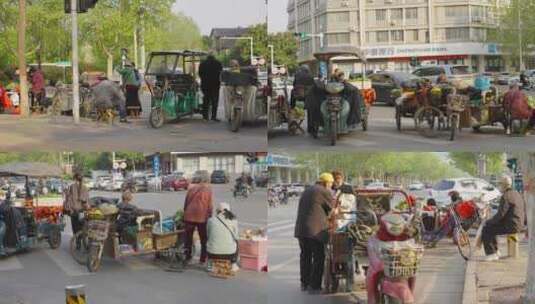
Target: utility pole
{"points": [[75, 72], [21, 52], [272, 57], [482, 165]]}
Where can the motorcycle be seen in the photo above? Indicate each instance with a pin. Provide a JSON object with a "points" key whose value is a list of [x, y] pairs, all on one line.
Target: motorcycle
{"points": [[394, 257], [273, 199], [242, 190]]}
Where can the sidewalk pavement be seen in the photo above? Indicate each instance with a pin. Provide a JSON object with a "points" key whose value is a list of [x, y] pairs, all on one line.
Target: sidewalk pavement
{"points": [[501, 281]]}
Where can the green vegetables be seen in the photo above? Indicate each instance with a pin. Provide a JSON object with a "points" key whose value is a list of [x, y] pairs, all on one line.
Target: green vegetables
{"points": [[531, 101]]}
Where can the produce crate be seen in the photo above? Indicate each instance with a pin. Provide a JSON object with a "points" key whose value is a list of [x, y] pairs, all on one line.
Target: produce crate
{"points": [[98, 230], [253, 247], [166, 240], [144, 241], [255, 263]]}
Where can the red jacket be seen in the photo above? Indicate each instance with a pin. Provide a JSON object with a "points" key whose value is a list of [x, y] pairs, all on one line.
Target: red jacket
{"points": [[198, 204], [517, 101]]}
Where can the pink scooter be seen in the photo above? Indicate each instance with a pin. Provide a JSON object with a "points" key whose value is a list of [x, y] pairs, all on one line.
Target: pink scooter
{"points": [[394, 258]]}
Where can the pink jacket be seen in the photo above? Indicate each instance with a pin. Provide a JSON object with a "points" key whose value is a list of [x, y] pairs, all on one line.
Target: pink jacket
{"points": [[198, 204], [38, 81]]}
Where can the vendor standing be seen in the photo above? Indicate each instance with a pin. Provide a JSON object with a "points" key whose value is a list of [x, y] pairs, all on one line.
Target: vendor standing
{"points": [[197, 210], [76, 200], [38, 86], [311, 229], [131, 82]]}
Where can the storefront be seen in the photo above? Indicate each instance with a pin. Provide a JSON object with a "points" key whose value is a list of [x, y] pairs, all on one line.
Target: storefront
{"points": [[481, 57]]}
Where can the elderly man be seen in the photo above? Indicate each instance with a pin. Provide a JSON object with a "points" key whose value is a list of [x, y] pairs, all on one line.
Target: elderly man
{"points": [[311, 229], [108, 94], [509, 218]]}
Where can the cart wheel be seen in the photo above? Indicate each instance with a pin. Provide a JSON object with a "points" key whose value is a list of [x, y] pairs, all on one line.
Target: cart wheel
{"points": [[293, 128], [426, 120], [398, 117], [54, 237], [94, 257], [156, 118], [235, 122], [333, 128], [461, 237], [79, 253], [454, 125]]}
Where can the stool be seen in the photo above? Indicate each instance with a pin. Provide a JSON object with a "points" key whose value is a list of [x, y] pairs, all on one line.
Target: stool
{"points": [[106, 115], [512, 245], [221, 268]]}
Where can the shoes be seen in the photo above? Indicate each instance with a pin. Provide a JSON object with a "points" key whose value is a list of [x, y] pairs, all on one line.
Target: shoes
{"points": [[304, 287], [235, 267], [490, 258]]}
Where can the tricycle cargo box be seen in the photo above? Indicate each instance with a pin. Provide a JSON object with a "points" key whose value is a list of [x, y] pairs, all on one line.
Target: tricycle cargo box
{"points": [[255, 263], [166, 240], [253, 247]]}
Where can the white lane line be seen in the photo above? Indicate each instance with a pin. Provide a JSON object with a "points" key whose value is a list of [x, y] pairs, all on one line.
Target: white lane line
{"points": [[280, 223], [411, 137], [10, 263], [65, 261], [276, 267]]}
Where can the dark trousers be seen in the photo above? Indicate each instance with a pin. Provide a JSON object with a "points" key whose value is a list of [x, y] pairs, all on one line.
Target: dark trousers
{"points": [[210, 99], [76, 224], [312, 262], [188, 242], [488, 236]]}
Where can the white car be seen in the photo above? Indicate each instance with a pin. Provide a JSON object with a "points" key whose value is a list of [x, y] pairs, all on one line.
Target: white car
{"points": [[416, 187], [468, 188], [296, 189], [507, 78], [103, 182], [377, 186]]}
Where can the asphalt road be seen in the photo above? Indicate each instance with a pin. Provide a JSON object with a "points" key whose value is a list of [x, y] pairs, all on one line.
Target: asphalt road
{"points": [[188, 134], [382, 134], [40, 276]]}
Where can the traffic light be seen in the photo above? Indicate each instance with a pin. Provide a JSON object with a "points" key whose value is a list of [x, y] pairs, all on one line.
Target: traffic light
{"points": [[82, 5]]}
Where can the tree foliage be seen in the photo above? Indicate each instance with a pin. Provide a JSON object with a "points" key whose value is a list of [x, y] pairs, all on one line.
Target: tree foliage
{"points": [[467, 161], [395, 166], [103, 31]]}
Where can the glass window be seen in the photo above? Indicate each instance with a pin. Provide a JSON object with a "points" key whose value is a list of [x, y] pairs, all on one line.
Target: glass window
{"points": [[444, 185], [460, 70], [461, 33], [380, 15], [162, 64], [225, 163], [396, 14], [190, 164], [411, 13], [397, 36], [338, 38], [382, 36]]}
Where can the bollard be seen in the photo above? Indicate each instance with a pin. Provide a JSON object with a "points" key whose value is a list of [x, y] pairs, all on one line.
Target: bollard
{"points": [[75, 294], [512, 245]]}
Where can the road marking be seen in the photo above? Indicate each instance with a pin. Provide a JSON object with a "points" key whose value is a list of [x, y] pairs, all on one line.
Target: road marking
{"points": [[10, 263], [62, 257], [414, 138], [280, 223], [276, 267]]}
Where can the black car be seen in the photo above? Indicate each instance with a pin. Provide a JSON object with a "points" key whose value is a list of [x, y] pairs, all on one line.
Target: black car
{"points": [[219, 177], [384, 82]]}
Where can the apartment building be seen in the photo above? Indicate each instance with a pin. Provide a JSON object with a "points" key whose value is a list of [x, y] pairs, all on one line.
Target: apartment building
{"points": [[391, 32]]}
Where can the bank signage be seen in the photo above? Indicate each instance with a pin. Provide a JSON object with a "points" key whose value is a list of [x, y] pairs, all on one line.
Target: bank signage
{"points": [[438, 49]]}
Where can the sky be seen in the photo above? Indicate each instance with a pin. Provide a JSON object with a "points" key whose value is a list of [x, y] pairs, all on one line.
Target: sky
{"points": [[223, 13], [278, 17]]}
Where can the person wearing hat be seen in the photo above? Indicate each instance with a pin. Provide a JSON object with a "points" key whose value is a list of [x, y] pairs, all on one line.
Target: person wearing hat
{"points": [[508, 219], [311, 229], [223, 236], [76, 200]]}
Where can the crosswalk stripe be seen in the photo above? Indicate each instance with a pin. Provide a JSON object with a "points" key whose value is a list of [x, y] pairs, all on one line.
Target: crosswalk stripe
{"points": [[65, 261], [284, 227], [10, 263], [276, 267], [280, 223]]}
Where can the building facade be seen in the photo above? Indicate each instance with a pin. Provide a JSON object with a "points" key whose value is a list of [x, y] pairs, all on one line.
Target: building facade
{"points": [[220, 44], [284, 169], [391, 32]]}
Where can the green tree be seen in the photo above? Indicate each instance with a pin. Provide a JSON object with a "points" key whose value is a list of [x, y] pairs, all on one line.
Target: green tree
{"points": [[242, 52], [284, 49], [467, 161]]}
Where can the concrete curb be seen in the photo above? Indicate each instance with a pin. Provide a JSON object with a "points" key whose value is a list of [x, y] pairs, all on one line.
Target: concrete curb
{"points": [[470, 283]]}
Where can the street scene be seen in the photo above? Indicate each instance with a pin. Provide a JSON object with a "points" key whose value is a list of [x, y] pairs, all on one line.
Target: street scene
{"points": [[400, 76], [44, 261], [422, 220], [128, 75]]}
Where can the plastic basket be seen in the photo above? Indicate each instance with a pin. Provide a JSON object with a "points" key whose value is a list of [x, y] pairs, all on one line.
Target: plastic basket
{"points": [[402, 263], [165, 240], [98, 230]]}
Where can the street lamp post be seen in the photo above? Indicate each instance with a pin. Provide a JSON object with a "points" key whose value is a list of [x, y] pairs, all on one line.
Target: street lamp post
{"points": [[243, 38]]}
